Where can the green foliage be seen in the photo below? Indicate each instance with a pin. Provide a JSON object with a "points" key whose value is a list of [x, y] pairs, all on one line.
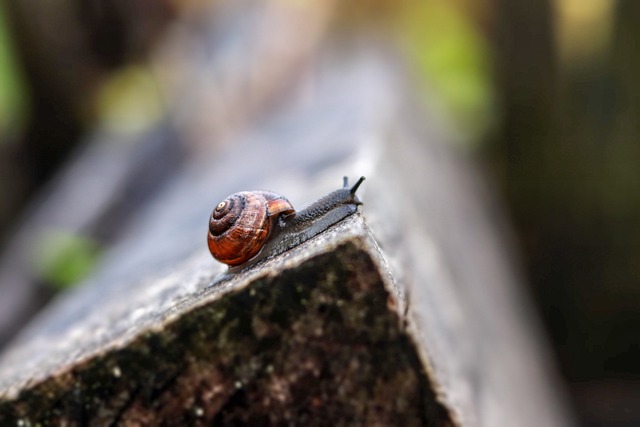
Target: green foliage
{"points": [[63, 258], [13, 102], [451, 58], [130, 100]]}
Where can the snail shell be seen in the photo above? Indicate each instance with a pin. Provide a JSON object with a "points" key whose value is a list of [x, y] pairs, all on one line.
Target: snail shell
{"points": [[240, 225]]}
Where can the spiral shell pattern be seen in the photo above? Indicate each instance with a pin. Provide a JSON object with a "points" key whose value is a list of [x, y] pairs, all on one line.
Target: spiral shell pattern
{"points": [[240, 225]]}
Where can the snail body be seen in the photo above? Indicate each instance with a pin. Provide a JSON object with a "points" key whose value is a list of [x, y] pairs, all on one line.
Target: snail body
{"points": [[250, 226]]}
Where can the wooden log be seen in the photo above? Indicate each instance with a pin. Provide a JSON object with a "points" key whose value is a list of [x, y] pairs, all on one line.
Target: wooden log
{"points": [[309, 337]]}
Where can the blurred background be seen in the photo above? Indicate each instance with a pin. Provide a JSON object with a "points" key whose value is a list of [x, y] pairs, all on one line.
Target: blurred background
{"points": [[544, 94]]}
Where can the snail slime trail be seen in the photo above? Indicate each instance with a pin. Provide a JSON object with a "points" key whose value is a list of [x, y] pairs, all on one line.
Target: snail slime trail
{"points": [[250, 226]]}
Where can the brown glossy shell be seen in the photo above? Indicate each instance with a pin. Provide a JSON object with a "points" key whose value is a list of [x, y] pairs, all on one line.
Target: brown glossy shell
{"points": [[240, 225]]}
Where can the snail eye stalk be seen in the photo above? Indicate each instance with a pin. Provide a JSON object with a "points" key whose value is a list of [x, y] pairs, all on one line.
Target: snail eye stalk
{"points": [[356, 185]]}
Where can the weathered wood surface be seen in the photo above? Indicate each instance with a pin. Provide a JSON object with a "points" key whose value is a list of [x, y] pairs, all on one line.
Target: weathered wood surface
{"points": [[431, 236]]}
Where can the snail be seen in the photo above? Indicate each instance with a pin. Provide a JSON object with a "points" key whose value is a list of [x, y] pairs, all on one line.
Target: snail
{"points": [[250, 226]]}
